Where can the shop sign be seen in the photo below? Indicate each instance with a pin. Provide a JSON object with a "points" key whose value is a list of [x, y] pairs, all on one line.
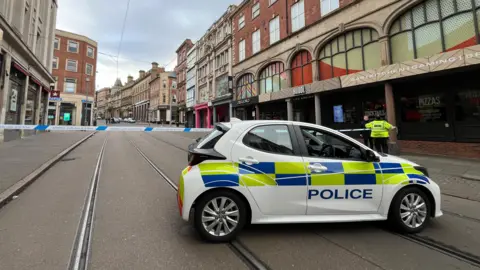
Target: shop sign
{"points": [[55, 94], [87, 101], [300, 90], [246, 101], [13, 100]]}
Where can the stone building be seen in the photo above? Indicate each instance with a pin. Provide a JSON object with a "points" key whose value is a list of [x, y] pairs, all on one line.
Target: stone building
{"points": [[333, 61], [126, 109], [26, 41], [181, 73]]}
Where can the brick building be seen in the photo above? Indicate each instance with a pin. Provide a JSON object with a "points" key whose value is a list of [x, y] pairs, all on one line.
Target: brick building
{"points": [[141, 94], [181, 74], [74, 66], [332, 62], [26, 48]]}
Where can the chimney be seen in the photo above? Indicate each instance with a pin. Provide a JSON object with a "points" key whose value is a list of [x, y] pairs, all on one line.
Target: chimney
{"points": [[129, 79], [154, 65], [141, 74]]}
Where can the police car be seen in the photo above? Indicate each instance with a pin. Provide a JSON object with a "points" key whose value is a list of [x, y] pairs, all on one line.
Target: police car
{"points": [[266, 172]]}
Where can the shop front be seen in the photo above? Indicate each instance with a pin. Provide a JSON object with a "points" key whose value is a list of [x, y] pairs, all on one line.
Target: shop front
{"points": [[245, 109], [221, 109], [203, 115], [273, 110], [190, 123]]}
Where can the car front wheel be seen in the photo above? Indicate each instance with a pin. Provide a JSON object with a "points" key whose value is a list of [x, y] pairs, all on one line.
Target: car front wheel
{"points": [[410, 210], [219, 216]]}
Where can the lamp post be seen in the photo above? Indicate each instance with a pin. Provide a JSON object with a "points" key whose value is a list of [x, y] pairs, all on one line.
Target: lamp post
{"points": [[86, 101]]}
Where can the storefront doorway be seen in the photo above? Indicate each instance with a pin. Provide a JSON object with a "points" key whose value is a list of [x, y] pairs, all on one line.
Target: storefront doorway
{"points": [[275, 110], [304, 109], [67, 114]]}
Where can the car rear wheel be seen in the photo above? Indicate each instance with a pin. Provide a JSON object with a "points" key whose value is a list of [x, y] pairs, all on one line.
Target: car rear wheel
{"points": [[219, 216], [410, 210]]}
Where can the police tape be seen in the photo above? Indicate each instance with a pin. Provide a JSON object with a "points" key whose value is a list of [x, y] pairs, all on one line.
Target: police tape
{"points": [[121, 128], [102, 128]]}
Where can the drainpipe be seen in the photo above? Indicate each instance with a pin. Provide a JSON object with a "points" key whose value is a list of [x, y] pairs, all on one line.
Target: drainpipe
{"points": [[286, 15]]}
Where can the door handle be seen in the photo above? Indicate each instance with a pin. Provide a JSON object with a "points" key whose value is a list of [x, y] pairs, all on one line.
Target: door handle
{"points": [[249, 160], [317, 168]]}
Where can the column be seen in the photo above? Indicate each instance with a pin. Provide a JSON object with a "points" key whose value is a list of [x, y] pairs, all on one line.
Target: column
{"points": [[289, 110], [230, 111], [391, 118], [318, 115], [315, 71], [214, 114], [57, 113], [4, 92], [197, 119], [23, 108], [37, 106], [208, 118], [45, 108], [257, 112]]}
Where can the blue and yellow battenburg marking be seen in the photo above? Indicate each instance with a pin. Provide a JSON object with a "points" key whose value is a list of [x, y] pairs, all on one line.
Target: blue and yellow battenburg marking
{"points": [[227, 174]]}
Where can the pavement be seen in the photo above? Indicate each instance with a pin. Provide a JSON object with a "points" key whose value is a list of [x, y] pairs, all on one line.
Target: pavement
{"points": [[137, 225]]}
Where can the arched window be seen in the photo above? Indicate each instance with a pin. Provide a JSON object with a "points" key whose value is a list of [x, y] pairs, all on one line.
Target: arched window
{"points": [[302, 69], [245, 87], [434, 26], [349, 53], [273, 78]]}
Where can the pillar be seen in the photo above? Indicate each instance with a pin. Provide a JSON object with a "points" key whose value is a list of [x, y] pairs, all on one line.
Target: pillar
{"points": [[37, 106], [45, 108], [289, 110], [57, 113], [214, 114], [4, 91], [391, 118], [23, 108], [318, 115], [257, 112], [230, 111], [208, 118], [315, 71], [197, 119]]}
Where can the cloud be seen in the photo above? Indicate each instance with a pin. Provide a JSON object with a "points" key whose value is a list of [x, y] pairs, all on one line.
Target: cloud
{"points": [[154, 30]]}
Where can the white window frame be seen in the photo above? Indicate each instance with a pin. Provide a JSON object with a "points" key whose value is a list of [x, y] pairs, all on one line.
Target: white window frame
{"points": [[73, 41], [86, 69], [297, 13], [55, 60], [327, 7], [65, 85], [256, 42], [57, 43], [93, 51], [76, 65], [271, 2], [241, 50], [274, 28], [255, 10], [241, 22]]}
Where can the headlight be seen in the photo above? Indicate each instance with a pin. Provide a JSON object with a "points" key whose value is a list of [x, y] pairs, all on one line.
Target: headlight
{"points": [[422, 169]]}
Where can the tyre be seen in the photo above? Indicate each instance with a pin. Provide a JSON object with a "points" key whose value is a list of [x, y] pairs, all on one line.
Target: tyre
{"points": [[220, 216], [410, 211]]}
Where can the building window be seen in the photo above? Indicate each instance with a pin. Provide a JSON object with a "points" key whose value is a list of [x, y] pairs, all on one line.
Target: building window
{"points": [[89, 69], [329, 6], [302, 69], [90, 52], [164, 98], [423, 107], [245, 87], [70, 85], [255, 10], [298, 16], [241, 22], [349, 53], [274, 30], [432, 27], [241, 50], [273, 78], [72, 46], [256, 41], [72, 65], [56, 44], [55, 63], [271, 2]]}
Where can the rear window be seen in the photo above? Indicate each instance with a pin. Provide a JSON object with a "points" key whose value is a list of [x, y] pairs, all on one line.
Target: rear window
{"points": [[209, 141]]}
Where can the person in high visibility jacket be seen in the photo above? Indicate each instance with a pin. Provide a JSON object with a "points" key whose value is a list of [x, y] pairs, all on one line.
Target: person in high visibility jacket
{"points": [[380, 133]]}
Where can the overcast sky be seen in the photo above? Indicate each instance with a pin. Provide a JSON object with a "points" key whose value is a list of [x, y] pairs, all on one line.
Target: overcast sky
{"points": [[154, 30]]}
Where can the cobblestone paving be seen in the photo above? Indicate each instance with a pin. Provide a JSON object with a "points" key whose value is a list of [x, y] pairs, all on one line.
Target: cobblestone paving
{"points": [[457, 186]]}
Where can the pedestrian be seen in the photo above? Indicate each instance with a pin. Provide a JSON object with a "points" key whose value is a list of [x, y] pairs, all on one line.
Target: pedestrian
{"points": [[380, 133], [365, 134]]}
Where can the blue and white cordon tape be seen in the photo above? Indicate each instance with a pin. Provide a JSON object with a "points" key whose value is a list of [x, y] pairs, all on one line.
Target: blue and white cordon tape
{"points": [[103, 128], [121, 128]]}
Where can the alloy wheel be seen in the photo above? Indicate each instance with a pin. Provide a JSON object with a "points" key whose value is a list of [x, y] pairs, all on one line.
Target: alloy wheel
{"points": [[220, 216], [413, 210]]}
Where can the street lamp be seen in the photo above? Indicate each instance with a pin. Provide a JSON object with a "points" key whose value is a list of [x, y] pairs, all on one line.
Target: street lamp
{"points": [[86, 102]]}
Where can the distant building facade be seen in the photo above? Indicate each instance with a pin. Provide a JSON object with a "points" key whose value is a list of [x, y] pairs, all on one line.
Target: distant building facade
{"points": [[181, 73], [191, 83]]}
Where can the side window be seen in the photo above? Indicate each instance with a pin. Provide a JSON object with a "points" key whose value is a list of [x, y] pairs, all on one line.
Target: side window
{"points": [[209, 141], [273, 139], [325, 145]]}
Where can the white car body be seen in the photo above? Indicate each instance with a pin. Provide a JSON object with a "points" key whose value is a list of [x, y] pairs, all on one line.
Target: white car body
{"points": [[286, 195]]}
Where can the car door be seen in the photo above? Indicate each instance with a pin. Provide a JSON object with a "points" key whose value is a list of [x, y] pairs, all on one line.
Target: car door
{"points": [[271, 167], [340, 180]]}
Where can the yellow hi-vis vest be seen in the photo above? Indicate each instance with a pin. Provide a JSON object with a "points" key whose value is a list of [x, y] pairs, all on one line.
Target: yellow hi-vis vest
{"points": [[379, 128]]}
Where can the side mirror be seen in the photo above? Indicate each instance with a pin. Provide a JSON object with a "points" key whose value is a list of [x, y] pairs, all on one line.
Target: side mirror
{"points": [[371, 157]]}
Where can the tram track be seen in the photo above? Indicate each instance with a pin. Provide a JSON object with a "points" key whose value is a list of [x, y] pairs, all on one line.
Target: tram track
{"points": [[237, 247]]}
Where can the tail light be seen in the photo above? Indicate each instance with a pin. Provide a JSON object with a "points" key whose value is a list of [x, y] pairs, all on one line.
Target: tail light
{"points": [[197, 156]]}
